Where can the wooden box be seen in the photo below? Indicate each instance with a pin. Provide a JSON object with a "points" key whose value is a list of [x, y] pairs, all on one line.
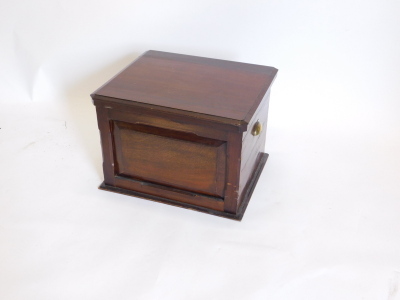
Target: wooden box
{"points": [[185, 130]]}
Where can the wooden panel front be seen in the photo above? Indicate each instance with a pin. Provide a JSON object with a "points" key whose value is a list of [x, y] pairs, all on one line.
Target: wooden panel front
{"points": [[146, 188], [170, 158]]}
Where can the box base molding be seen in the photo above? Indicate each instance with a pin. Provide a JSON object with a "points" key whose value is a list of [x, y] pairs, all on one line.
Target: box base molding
{"points": [[238, 217]]}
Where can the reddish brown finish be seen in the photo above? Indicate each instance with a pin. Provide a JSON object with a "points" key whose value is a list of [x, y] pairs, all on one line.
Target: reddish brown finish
{"points": [[106, 145], [253, 145], [176, 129], [152, 189], [202, 85], [233, 166], [161, 156]]}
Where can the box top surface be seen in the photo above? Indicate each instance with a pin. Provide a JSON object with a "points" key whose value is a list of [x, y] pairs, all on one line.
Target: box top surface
{"points": [[214, 87]]}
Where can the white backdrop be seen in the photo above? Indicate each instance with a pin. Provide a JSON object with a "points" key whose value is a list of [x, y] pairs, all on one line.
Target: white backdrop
{"points": [[324, 220]]}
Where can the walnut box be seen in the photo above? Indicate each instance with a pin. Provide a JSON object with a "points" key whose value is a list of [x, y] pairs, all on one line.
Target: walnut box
{"points": [[185, 130]]}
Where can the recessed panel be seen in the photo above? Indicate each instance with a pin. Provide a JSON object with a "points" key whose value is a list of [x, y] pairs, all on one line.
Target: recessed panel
{"points": [[179, 160]]}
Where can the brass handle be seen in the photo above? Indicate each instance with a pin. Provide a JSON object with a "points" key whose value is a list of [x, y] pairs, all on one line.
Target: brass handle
{"points": [[256, 128]]}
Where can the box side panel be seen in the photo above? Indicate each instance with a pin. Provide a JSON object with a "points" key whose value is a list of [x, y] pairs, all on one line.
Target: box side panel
{"points": [[253, 145], [170, 158], [152, 189], [234, 148], [164, 157], [106, 145]]}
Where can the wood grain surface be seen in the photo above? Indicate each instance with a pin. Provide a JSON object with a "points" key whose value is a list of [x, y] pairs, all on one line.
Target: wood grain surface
{"points": [[177, 129], [215, 87]]}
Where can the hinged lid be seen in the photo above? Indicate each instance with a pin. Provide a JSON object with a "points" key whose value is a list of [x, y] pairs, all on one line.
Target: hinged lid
{"points": [[214, 87]]}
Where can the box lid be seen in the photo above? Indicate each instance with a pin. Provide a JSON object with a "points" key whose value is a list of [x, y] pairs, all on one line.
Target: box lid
{"points": [[219, 88]]}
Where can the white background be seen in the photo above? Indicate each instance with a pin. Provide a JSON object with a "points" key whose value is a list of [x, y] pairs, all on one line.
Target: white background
{"points": [[324, 220]]}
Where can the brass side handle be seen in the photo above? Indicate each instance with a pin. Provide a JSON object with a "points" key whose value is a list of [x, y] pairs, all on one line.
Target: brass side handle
{"points": [[256, 130]]}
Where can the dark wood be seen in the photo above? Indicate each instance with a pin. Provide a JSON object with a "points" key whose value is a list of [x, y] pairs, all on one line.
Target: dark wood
{"points": [[209, 86], [152, 189], [106, 145], [262, 159], [177, 129], [233, 166], [252, 145], [138, 156]]}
